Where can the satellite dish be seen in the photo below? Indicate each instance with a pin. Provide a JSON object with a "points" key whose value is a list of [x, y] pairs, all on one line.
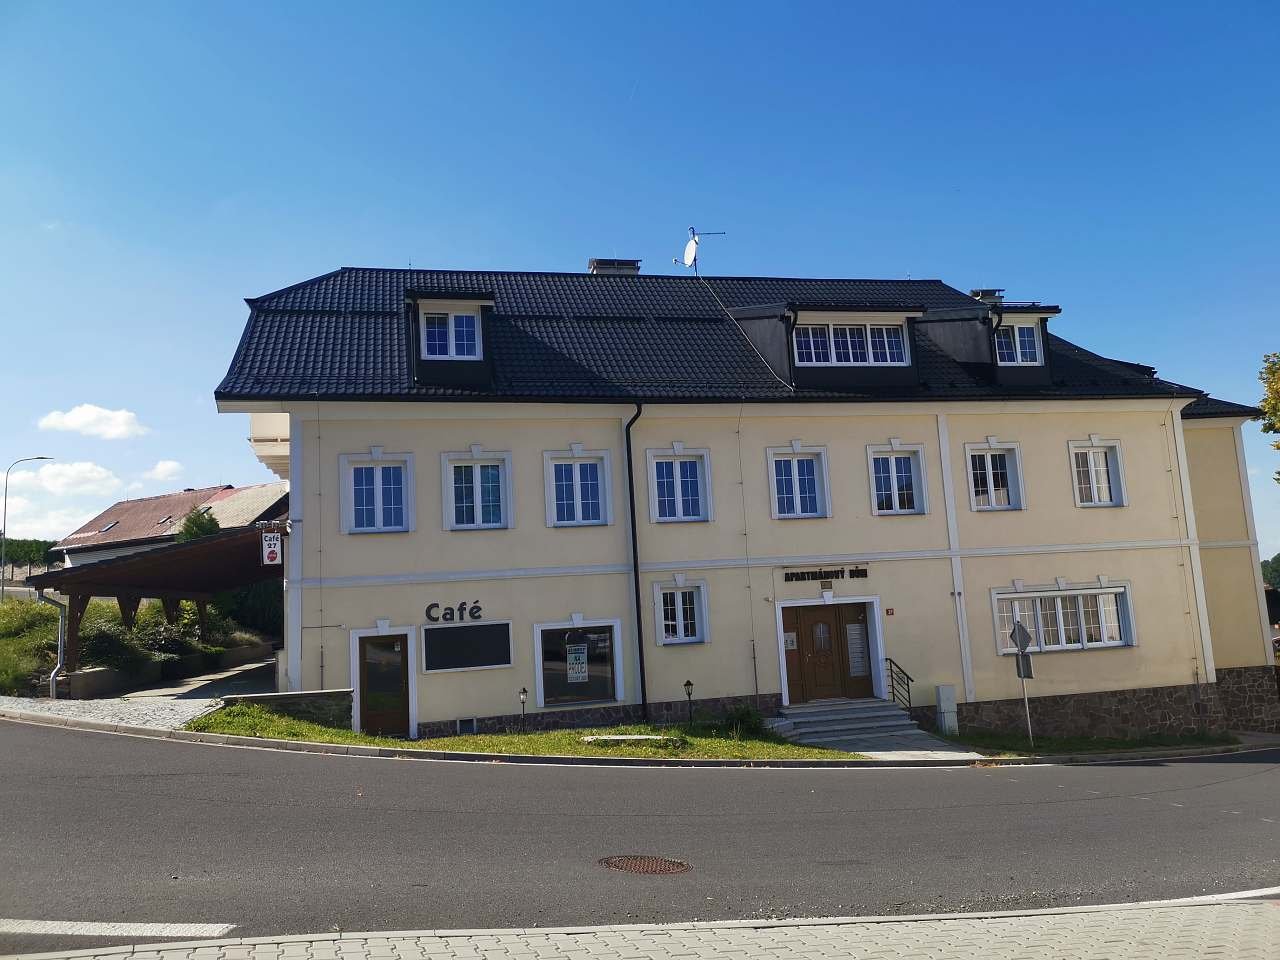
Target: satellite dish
{"points": [[691, 251], [690, 258]]}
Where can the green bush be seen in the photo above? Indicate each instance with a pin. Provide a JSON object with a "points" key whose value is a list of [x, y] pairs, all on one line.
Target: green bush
{"points": [[28, 643], [106, 643], [742, 721]]}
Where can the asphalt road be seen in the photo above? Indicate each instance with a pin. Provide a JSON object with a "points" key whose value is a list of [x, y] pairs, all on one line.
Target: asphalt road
{"points": [[97, 827]]}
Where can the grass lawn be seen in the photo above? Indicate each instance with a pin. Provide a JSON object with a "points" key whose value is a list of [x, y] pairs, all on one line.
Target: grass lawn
{"points": [[701, 740], [1016, 745]]}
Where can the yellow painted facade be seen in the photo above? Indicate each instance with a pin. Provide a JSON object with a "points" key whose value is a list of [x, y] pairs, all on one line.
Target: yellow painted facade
{"points": [[929, 576]]}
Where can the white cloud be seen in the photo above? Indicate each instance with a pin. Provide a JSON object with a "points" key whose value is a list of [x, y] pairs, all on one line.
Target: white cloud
{"points": [[67, 480], [28, 519], [164, 470], [94, 421]]}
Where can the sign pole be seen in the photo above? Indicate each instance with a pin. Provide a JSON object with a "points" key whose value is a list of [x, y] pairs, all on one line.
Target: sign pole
{"points": [[1026, 704]]}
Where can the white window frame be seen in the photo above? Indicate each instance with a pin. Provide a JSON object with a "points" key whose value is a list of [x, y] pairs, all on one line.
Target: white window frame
{"points": [[511, 647], [375, 457], [576, 455], [577, 620], [1115, 461], [679, 583], [678, 451], [866, 333], [896, 448], [1013, 458], [476, 456], [1121, 589], [451, 316], [797, 451], [1017, 347]]}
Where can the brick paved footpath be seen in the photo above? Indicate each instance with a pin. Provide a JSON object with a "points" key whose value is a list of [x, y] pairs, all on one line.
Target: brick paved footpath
{"points": [[1234, 930]]}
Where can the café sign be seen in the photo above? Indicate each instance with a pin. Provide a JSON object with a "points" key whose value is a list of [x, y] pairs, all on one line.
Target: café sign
{"points": [[463, 611]]}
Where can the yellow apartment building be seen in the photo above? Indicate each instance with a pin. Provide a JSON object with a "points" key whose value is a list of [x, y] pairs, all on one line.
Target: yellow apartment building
{"points": [[610, 492]]}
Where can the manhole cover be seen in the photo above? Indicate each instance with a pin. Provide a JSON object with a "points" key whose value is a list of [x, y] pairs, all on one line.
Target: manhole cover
{"points": [[650, 865]]}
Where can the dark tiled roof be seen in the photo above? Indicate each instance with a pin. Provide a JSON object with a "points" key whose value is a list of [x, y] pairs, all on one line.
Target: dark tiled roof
{"points": [[567, 336], [1205, 408]]}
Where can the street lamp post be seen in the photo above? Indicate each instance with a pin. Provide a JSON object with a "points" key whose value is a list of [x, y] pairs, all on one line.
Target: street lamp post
{"points": [[688, 693], [524, 698], [4, 518]]}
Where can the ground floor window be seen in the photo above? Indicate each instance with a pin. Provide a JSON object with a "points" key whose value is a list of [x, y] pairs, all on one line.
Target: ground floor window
{"points": [[1069, 620], [577, 664]]}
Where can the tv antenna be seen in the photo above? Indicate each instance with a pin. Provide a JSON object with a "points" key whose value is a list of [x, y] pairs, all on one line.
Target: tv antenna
{"points": [[690, 258]]}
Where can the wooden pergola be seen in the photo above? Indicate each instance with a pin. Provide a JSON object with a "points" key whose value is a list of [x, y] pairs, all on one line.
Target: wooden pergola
{"points": [[194, 570]]}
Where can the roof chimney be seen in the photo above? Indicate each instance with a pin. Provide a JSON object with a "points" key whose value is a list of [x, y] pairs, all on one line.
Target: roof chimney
{"points": [[993, 296], [601, 265]]}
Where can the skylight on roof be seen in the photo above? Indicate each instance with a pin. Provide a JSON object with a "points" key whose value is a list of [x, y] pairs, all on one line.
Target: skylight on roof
{"points": [[167, 519], [109, 526]]}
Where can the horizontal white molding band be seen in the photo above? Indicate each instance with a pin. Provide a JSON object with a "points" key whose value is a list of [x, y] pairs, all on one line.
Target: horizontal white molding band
{"points": [[606, 569], [1223, 544]]}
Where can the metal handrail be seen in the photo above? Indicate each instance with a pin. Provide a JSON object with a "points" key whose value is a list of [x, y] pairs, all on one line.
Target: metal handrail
{"points": [[899, 683]]}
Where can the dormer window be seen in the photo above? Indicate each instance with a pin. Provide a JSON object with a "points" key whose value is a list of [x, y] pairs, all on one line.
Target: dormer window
{"points": [[1018, 345], [451, 336], [850, 345]]}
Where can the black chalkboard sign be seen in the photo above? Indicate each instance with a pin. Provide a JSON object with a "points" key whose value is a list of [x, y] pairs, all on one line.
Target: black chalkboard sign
{"points": [[468, 645]]}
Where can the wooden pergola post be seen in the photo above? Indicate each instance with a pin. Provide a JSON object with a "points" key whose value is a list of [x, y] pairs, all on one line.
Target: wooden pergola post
{"points": [[172, 606], [77, 603], [128, 609]]}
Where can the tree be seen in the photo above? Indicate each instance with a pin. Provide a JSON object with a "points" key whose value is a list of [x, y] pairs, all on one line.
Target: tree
{"points": [[1271, 571], [1270, 377], [197, 523]]}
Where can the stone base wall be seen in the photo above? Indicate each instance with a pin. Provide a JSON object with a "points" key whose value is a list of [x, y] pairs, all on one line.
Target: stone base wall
{"points": [[1250, 697], [605, 715], [332, 708], [1148, 711]]}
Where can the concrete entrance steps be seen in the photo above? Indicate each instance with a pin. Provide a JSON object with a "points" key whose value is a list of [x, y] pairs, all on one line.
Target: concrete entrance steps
{"points": [[877, 728], [823, 722]]}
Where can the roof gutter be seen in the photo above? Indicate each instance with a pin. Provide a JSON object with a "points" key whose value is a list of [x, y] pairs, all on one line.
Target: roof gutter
{"points": [[635, 561]]}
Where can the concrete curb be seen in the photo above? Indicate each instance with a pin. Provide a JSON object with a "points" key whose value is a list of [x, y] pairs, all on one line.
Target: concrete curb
{"points": [[765, 924], [353, 750]]}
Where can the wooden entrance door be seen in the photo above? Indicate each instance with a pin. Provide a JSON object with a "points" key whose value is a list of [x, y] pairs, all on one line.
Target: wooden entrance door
{"points": [[828, 651], [384, 685]]}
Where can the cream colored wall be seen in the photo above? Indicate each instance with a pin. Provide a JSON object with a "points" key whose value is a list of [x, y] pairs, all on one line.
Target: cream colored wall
{"points": [[1153, 497], [1167, 650], [922, 633], [1234, 618], [1232, 575], [1215, 480]]}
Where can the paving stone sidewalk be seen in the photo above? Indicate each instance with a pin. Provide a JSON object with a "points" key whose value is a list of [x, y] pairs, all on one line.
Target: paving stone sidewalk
{"points": [[169, 714], [1236, 930]]}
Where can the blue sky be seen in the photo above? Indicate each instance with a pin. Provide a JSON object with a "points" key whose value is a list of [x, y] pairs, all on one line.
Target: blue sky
{"points": [[160, 162]]}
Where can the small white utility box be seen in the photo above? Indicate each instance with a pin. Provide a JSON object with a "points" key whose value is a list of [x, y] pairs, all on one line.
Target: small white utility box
{"points": [[947, 722]]}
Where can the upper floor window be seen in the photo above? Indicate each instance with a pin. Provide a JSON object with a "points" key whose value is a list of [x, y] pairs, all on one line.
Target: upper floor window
{"points": [[1018, 344], [897, 478], [681, 610], [798, 476], [477, 489], [377, 492], [578, 487], [995, 475], [1097, 472], [451, 336], [679, 484], [850, 345], [1065, 619]]}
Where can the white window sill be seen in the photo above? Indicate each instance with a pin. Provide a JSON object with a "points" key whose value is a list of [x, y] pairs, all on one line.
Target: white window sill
{"points": [[1009, 509], [679, 519], [855, 366], [686, 642], [446, 356], [898, 513], [1098, 506], [363, 530], [579, 523], [801, 516], [479, 526], [1074, 648]]}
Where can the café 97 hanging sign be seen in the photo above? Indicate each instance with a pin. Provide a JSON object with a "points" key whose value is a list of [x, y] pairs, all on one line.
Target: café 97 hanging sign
{"points": [[464, 610]]}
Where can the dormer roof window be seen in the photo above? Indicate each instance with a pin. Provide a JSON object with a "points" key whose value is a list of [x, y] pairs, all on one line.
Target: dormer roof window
{"points": [[1018, 345], [451, 336], [850, 345]]}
